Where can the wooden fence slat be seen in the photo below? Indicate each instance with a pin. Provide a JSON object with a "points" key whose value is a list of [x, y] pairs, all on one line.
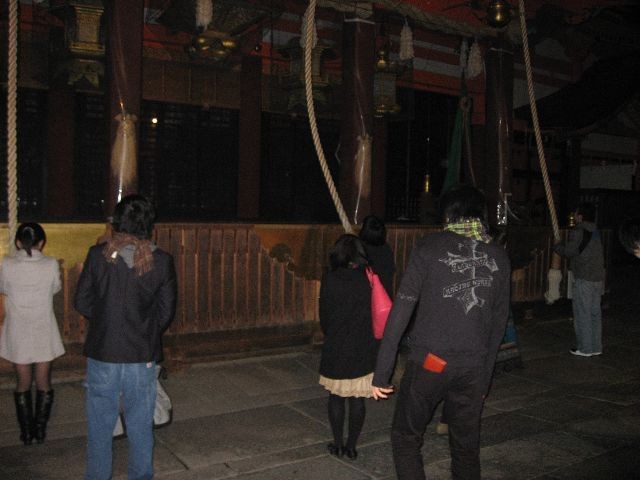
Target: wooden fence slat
{"points": [[228, 278], [176, 248], [288, 295], [253, 278], [241, 275], [203, 279], [265, 289], [216, 275], [189, 247]]}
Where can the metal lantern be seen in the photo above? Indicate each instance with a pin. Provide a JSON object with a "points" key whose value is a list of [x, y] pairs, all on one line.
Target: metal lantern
{"points": [[499, 13], [77, 54], [384, 85]]}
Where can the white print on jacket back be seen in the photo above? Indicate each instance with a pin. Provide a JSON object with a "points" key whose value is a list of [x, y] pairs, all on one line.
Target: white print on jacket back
{"points": [[469, 260]]}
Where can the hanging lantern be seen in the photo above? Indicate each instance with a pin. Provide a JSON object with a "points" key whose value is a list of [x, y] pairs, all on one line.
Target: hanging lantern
{"points": [[384, 85], [76, 53], [292, 78], [499, 13]]}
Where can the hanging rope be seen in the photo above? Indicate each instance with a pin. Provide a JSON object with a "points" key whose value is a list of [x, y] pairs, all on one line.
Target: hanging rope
{"points": [[12, 130], [308, 50], [536, 125]]}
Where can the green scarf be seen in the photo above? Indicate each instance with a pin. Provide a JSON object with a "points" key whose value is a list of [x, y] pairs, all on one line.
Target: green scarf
{"points": [[471, 228]]}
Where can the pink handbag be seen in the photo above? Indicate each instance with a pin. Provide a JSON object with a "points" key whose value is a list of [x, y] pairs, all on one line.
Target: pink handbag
{"points": [[380, 304]]}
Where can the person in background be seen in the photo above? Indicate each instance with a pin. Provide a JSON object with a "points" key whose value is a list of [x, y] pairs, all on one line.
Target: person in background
{"points": [[349, 350], [374, 237], [629, 235], [30, 337], [459, 282], [127, 292], [586, 262]]}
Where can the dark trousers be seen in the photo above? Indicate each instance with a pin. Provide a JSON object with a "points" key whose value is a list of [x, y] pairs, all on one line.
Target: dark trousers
{"points": [[420, 392]]}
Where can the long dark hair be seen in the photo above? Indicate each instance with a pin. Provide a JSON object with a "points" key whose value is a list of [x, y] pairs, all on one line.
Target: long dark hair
{"points": [[29, 235], [347, 251]]}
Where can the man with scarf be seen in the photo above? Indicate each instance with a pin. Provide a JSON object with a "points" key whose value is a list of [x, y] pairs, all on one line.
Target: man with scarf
{"points": [[459, 282], [127, 292]]}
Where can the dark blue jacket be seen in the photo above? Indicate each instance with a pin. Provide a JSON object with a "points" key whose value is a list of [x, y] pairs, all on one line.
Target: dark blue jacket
{"points": [[127, 314]]}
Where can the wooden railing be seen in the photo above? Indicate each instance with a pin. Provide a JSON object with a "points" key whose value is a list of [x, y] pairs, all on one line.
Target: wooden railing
{"points": [[234, 278]]}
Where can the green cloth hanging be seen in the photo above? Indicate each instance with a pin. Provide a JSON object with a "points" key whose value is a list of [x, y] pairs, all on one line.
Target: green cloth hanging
{"points": [[454, 158]]}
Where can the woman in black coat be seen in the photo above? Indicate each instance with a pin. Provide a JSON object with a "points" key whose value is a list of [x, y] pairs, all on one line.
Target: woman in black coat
{"points": [[349, 350]]}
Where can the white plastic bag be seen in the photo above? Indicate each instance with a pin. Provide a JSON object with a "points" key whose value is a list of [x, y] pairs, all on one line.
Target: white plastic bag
{"points": [[162, 412]]}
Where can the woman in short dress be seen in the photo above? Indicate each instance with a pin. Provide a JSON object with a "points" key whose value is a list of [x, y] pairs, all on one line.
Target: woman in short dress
{"points": [[30, 338], [349, 350]]}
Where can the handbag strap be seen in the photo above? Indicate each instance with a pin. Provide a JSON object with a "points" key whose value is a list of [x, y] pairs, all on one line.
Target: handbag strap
{"points": [[370, 274]]}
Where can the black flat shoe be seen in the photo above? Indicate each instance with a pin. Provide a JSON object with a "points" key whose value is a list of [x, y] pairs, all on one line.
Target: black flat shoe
{"points": [[351, 453], [335, 451]]}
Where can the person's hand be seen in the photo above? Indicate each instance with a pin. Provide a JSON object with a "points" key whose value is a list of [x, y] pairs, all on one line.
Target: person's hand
{"points": [[381, 392]]}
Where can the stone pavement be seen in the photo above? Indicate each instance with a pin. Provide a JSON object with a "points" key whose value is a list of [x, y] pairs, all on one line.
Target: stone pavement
{"points": [[263, 418]]}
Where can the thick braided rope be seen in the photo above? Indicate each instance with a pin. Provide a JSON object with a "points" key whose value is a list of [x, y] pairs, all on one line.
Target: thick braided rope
{"points": [[308, 50], [12, 130], [536, 125]]}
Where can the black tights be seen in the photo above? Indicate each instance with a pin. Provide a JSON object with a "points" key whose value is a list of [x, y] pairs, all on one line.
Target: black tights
{"points": [[336, 418]]}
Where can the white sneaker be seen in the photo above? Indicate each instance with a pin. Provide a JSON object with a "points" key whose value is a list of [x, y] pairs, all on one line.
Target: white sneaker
{"points": [[577, 352], [595, 354]]}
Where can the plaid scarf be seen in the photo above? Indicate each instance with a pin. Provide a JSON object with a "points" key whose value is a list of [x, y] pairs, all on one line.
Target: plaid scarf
{"points": [[142, 257], [471, 228]]}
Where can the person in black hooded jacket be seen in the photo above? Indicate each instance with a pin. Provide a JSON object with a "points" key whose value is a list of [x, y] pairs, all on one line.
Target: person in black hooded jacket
{"points": [[349, 350]]}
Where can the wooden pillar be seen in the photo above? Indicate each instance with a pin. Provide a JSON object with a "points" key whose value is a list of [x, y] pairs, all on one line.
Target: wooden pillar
{"points": [[250, 139], [499, 119], [60, 191], [358, 58], [124, 25]]}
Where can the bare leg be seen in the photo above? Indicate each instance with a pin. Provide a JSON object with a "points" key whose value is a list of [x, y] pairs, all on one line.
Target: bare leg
{"points": [[24, 377], [43, 376]]}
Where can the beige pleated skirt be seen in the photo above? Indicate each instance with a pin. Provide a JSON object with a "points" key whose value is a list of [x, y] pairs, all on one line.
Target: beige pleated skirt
{"points": [[349, 387]]}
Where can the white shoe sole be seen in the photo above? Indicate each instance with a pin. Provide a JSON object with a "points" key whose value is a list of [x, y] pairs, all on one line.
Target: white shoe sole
{"points": [[579, 353]]}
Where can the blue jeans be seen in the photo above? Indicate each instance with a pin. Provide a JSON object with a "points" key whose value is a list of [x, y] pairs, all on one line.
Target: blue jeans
{"points": [[587, 315], [106, 384]]}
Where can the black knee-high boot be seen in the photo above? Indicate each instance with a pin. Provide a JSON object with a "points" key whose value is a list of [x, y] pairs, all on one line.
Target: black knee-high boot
{"points": [[24, 412], [44, 400]]}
